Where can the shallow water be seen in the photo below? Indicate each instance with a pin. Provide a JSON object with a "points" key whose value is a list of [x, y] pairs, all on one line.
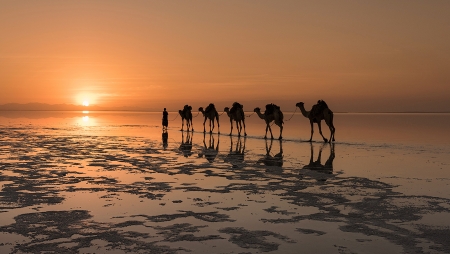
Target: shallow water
{"points": [[107, 181]]}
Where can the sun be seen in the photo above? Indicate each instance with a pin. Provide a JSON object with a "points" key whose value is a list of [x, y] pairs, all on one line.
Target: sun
{"points": [[85, 103]]}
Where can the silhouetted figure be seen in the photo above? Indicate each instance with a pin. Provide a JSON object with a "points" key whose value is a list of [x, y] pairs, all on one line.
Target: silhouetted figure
{"points": [[272, 113], [236, 113], [186, 144], [236, 157], [276, 160], [165, 120], [209, 151], [319, 112], [317, 165], [165, 137], [210, 113], [186, 114]]}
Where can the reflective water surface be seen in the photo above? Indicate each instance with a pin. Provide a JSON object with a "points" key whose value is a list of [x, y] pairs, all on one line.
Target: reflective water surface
{"points": [[87, 182]]}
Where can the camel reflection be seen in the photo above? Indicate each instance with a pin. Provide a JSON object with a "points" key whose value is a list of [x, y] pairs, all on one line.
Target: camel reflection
{"points": [[209, 151], [165, 137], [276, 160], [236, 157], [186, 144], [317, 165]]}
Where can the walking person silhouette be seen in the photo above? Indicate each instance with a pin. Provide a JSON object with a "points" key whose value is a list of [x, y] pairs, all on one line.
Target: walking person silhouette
{"points": [[165, 121]]}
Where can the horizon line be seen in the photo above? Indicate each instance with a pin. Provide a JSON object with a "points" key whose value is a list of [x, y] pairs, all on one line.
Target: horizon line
{"points": [[151, 111]]}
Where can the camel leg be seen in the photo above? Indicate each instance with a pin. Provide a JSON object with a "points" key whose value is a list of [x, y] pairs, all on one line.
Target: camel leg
{"points": [[182, 125], [329, 121], [267, 127], [281, 131], [245, 132], [312, 130], [231, 123], [320, 131], [218, 126], [211, 123], [204, 128], [270, 129], [238, 127], [332, 130]]}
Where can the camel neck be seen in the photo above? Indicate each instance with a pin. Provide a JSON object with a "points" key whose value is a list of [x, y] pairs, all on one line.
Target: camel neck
{"points": [[262, 116], [304, 112]]}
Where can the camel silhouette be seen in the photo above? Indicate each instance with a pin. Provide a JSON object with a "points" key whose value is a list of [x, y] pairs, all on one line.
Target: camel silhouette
{"points": [[236, 113], [186, 114], [272, 114], [210, 113], [319, 112]]}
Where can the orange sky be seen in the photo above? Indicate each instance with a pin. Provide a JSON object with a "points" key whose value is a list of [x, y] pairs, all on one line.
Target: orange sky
{"points": [[356, 55]]}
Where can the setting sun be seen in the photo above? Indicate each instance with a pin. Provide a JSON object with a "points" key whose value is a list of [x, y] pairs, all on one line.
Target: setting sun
{"points": [[85, 103]]}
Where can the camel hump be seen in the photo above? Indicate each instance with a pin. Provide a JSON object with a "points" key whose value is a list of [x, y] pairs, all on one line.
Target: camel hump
{"points": [[187, 108], [322, 104], [271, 108], [317, 109], [236, 106], [210, 108]]}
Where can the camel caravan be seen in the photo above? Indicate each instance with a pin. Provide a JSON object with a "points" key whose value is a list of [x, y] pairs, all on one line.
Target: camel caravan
{"points": [[272, 115]]}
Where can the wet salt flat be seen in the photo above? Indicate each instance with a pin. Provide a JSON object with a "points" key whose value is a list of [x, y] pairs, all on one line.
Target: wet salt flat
{"points": [[97, 182]]}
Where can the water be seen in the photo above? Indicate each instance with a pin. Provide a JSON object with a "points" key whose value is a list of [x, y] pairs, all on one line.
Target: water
{"points": [[125, 187]]}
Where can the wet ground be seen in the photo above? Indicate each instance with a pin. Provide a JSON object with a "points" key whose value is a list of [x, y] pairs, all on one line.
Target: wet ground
{"points": [[84, 189]]}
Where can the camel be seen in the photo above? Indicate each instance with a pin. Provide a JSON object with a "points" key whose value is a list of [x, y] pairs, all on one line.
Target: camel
{"points": [[210, 113], [237, 114], [236, 157], [272, 113], [186, 114], [319, 112], [209, 151]]}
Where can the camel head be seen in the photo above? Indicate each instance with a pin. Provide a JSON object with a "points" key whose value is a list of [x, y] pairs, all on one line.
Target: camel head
{"points": [[257, 109], [300, 104], [190, 108], [226, 109], [200, 109], [180, 112]]}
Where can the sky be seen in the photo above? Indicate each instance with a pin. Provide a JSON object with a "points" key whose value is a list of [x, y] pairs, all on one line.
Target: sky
{"points": [[358, 56]]}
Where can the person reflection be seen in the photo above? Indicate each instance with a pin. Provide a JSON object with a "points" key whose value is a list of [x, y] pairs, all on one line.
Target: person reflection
{"points": [[186, 144], [277, 159], [317, 165], [165, 137], [236, 157], [209, 151]]}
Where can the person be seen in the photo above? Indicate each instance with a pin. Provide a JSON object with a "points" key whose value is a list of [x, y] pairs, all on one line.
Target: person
{"points": [[165, 121]]}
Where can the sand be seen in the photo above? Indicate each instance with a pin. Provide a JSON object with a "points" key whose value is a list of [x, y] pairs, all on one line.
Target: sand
{"points": [[66, 190]]}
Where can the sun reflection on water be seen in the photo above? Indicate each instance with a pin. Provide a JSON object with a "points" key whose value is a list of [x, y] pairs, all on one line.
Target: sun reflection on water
{"points": [[86, 120]]}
